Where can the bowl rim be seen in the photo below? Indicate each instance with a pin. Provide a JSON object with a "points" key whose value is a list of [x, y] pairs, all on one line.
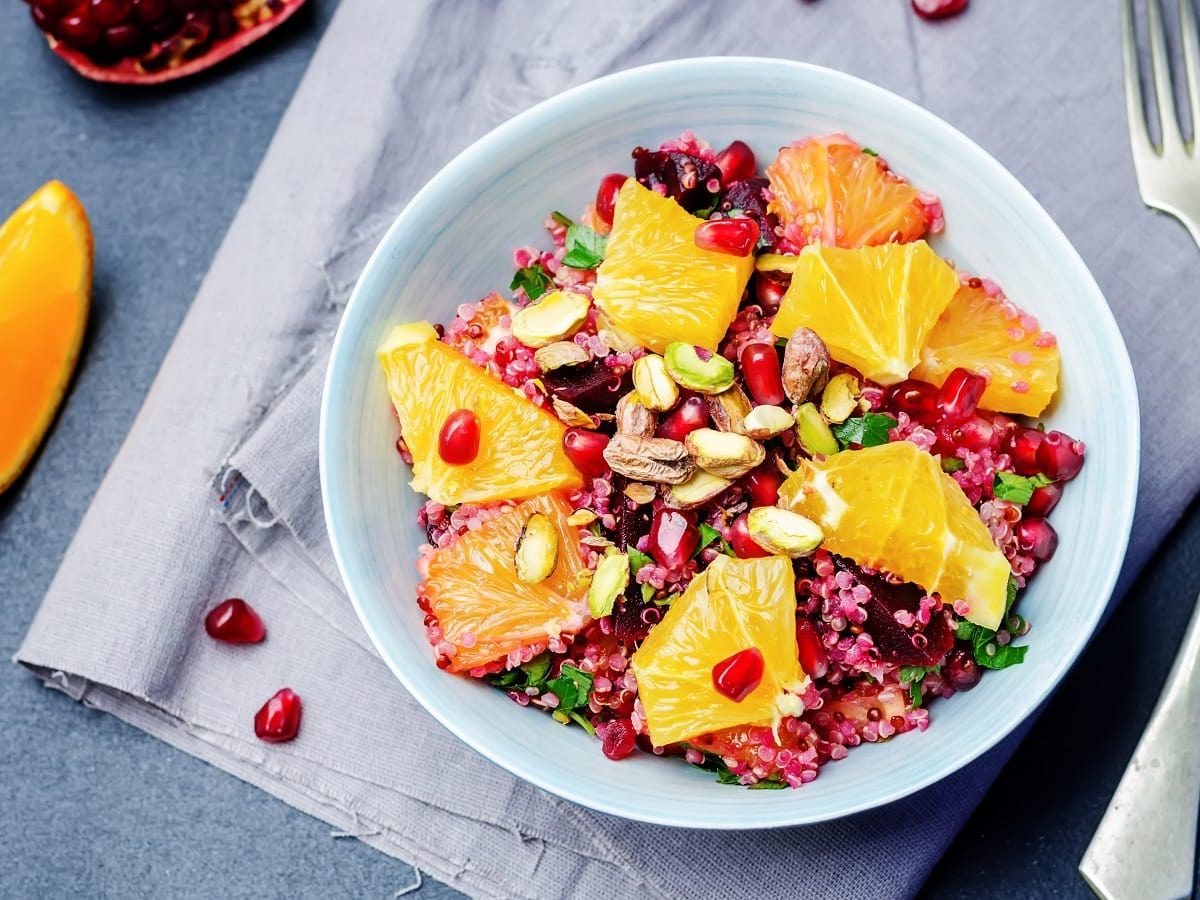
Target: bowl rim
{"points": [[341, 359]]}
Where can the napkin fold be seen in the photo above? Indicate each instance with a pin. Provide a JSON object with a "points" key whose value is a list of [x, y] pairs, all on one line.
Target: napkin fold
{"points": [[215, 491]]}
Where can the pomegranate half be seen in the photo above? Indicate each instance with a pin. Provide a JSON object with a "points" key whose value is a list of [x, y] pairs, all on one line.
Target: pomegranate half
{"points": [[152, 41]]}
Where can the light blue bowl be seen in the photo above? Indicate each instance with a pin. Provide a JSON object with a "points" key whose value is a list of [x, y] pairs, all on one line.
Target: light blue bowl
{"points": [[453, 244]]}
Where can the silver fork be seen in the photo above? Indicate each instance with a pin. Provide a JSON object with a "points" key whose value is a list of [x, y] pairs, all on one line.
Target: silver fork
{"points": [[1168, 173]]}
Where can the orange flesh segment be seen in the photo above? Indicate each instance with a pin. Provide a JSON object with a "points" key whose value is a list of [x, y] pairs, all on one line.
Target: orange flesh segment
{"points": [[733, 605], [656, 285], [991, 336], [45, 290], [893, 508], [828, 190], [483, 609], [520, 444]]}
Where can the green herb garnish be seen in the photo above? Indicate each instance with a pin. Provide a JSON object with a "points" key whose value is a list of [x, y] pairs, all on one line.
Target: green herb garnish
{"points": [[1017, 488], [561, 219], [585, 248], [708, 534], [870, 152], [533, 280], [572, 687], [870, 430], [952, 464], [912, 676]]}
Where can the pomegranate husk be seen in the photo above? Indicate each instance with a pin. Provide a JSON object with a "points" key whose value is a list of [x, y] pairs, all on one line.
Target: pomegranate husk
{"points": [[128, 71]]}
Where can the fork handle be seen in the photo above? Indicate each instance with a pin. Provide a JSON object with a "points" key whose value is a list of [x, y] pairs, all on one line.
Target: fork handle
{"points": [[1146, 844]]}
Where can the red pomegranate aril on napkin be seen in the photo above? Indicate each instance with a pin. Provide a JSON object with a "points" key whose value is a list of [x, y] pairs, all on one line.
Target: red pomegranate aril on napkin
{"points": [[458, 441], [736, 237], [736, 162], [760, 368], [279, 718], [938, 9], [737, 676], [234, 621], [606, 196]]}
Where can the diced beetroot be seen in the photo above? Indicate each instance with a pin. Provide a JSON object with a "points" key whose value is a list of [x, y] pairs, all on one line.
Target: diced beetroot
{"points": [[593, 387], [686, 179]]}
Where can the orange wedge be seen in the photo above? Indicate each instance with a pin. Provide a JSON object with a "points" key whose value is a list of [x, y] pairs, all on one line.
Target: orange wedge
{"points": [[656, 285], [829, 190], [991, 336], [735, 604], [873, 306], [484, 609], [520, 444], [893, 508], [45, 290]]}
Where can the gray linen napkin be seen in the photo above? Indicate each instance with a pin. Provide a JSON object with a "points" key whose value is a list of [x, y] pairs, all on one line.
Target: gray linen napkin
{"points": [[215, 492]]}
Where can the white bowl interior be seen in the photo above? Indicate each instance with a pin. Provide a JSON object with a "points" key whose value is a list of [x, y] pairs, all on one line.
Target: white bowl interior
{"points": [[453, 244]]}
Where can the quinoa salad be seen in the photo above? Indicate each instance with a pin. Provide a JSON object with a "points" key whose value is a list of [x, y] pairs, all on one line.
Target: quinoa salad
{"points": [[738, 469]]}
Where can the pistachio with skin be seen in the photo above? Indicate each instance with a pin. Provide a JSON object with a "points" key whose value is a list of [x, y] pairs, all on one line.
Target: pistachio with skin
{"points": [[805, 365], [640, 493], [698, 369], [840, 398], [729, 409], [560, 354], [581, 517], [571, 415], [697, 490], [656, 388], [783, 532], [608, 583], [724, 453], [813, 431], [658, 460], [557, 315], [537, 550], [765, 422], [632, 416]]}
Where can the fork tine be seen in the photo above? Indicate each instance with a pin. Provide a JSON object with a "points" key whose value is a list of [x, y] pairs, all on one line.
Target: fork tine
{"points": [[1168, 121], [1139, 135], [1191, 60]]}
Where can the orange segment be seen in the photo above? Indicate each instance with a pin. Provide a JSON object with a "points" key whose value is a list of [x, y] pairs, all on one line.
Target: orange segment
{"points": [[656, 285], [828, 190], [45, 289], [484, 609], [892, 507], [991, 336], [733, 605], [873, 306], [520, 444]]}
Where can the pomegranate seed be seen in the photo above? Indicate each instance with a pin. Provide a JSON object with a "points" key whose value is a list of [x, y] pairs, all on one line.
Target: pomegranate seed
{"points": [[53, 8], [279, 718], [673, 538], [973, 434], [1036, 537], [150, 10], [585, 450], [736, 237], [689, 415], [762, 484], [78, 32], [738, 675], [109, 12], [813, 658], [1059, 456], [619, 739], [124, 39], [1044, 499], [739, 538], [769, 293], [504, 352], [736, 162], [1023, 448], [760, 369], [917, 399], [234, 621], [938, 9], [606, 197], [961, 670], [960, 395], [458, 441], [1003, 428]]}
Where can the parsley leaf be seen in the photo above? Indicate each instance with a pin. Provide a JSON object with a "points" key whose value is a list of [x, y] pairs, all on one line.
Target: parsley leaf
{"points": [[572, 687], [530, 674], [870, 152], [585, 248], [637, 559], [984, 647], [533, 279], [584, 723], [912, 676], [1017, 488], [952, 464], [727, 777], [561, 219], [708, 534], [769, 784], [1011, 596], [870, 430]]}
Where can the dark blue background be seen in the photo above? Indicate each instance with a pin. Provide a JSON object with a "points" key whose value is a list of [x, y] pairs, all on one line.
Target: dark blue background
{"points": [[92, 807]]}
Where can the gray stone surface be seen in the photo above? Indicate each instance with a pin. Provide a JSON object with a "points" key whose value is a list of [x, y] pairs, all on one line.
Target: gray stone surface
{"points": [[95, 808]]}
